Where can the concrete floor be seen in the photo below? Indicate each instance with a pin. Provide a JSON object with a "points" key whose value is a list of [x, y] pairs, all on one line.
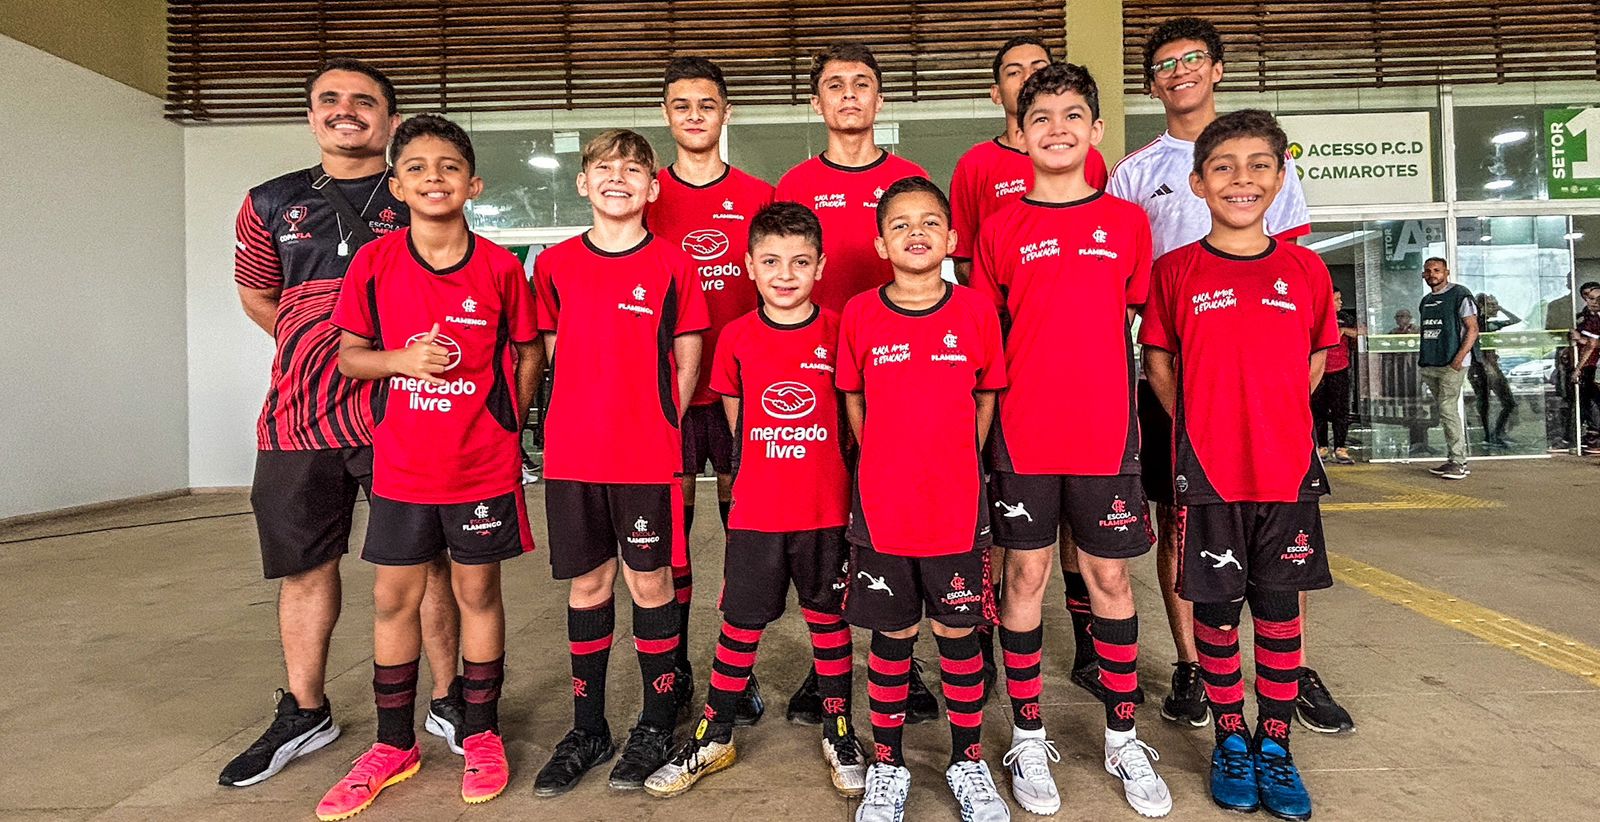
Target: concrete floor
{"points": [[142, 654]]}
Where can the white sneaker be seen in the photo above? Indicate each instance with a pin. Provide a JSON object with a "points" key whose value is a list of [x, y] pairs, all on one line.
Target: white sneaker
{"points": [[974, 788], [847, 763], [1144, 790], [1031, 784], [885, 797]]}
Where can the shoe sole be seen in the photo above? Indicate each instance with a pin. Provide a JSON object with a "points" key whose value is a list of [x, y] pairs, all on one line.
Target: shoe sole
{"points": [[557, 791], [393, 780], [1235, 808], [716, 766], [438, 726], [479, 800], [1204, 720], [1288, 817], [1139, 807], [1036, 810], [308, 742], [845, 791]]}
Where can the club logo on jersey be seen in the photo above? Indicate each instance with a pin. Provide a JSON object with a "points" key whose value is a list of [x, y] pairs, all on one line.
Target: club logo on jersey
{"points": [[293, 215], [638, 292], [1163, 190], [821, 353], [875, 583], [1100, 235], [951, 354], [1281, 302], [1212, 300], [788, 400], [1120, 517], [481, 511], [482, 524], [1281, 287], [387, 215], [642, 535], [1300, 551], [1013, 511], [469, 305], [1182, 482], [950, 339], [638, 306], [727, 205], [877, 195], [1037, 251], [704, 244]]}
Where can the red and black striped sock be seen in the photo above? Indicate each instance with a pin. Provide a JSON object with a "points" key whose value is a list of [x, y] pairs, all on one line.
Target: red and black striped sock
{"points": [[832, 657], [480, 688], [1082, 618], [961, 670], [1216, 638], [730, 672], [1022, 651], [394, 689], [888, 683], [655, 637], [1276, 615], [683, 593], [1116, 643], [589, 632]]}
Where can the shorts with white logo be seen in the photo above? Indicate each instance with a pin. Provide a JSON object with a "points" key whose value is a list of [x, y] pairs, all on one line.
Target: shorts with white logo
{"points": [[591, 523], [1226, 547], [759, 567], [1155, 446], [706, 436], [888, 592], [471, 533], [1107, 516], [303, 504]]}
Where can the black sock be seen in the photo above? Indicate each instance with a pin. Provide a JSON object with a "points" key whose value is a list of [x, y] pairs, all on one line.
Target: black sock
{"points": [[655, 637], [1078, 609], [683, 594], [589, 633], [480, 688], [394, 689], [723, 507], [961, 672]]}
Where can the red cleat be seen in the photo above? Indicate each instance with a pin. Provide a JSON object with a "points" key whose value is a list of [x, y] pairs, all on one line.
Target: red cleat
{"points": [[487, 772], [381, 766]]}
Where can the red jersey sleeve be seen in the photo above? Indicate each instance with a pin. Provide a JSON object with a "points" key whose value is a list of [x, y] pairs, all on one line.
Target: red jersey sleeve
{"points": [[725, 378], [1139, 279], [693, 314], [255, 256], [1094, 169], [993, 374], [519, 305], [1155, 324], [987, 278], [1325, 320], [964, 207], [547, 308], [847, 375], [353, 311]]}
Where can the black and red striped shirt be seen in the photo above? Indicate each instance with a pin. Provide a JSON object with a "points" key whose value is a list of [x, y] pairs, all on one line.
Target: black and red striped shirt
{"points": [[288, 237]]}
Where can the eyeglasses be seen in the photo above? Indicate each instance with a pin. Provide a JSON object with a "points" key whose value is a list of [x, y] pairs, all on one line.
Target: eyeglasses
{"points": [[1167, 67]]}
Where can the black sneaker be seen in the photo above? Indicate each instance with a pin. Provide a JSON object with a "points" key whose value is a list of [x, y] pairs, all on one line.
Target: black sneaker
{"points": [[683, 689], [805, 705], [646, 751], [1316, 709], [991, 671], [574, 755], [751, 706], [920, 703], [447, 715], [292, 734], [1087, 677], [1187, 700]]}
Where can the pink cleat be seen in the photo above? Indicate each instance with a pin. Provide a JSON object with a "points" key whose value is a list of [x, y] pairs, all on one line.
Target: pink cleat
{"points": [[487, 772], [381, 766]]}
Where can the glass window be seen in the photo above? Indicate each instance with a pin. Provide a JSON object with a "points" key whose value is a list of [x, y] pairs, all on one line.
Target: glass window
{"points": [[1499, 153], [530, 175]]}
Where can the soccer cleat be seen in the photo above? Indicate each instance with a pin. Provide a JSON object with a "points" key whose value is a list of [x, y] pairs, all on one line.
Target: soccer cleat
{"points": [[991, 671], [975, 792], [1283, 794], [1316, 708], [292, 734], [1145, 791], [530, 471], [381, 766], [447, 715], [1233, 775], [1087, 677], [884, 799], [694, 759], [647, 749], [751, 706], [487, 772], [805, 705], [847, 763], [921, 706], [1029, 760], [574, 755], [1187, 701]]}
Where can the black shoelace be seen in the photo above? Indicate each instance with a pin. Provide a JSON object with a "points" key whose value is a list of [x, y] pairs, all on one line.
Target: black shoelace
{"points": [[1279, 769], [1236, 765], [645, 746], [845, 748]]}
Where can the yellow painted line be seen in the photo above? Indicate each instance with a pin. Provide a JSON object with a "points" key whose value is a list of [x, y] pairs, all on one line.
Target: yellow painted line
{"points": [[1548, 648], [1400, 495]]}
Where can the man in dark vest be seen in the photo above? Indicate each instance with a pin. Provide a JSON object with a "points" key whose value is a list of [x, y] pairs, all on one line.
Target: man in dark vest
{"points": [[1449, 317]]}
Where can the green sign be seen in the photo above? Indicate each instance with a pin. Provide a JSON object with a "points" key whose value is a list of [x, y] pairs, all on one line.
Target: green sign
{"points": [[1573, 170]]}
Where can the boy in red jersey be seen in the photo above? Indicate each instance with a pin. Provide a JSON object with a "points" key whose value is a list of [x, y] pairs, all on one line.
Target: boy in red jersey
{"points": [[705, 208], [1247, 475], [446, 319], [925, 357], [622, 311], [774, 368], [844, 183], [1067, 244]]}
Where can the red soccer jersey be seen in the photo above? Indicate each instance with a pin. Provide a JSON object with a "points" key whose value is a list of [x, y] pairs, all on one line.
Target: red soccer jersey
{"points": [[613, 414], [1243, 330], [456, 442], [918, 477], [712, 225], [845, 199], [991, 175], [1066, 275], [791, 465]]}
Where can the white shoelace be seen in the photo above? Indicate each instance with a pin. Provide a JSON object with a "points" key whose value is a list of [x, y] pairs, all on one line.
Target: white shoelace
{"points": [[1131, 756], [881, 786], [972, 784], [1031, 755]]}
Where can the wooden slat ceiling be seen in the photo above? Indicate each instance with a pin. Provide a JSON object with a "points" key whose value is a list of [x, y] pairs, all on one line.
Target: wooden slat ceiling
{"points": [[234, 60], [1320, 45]]}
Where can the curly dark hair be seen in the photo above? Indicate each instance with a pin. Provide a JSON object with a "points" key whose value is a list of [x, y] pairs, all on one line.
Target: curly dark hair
{"points": [[1181, 28]]}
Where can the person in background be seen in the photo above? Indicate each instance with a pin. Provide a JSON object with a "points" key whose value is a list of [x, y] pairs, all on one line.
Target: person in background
{"points": [[1449, 338], [1404, 323], [1486, 376], [1330, 403], [1586, 352]]}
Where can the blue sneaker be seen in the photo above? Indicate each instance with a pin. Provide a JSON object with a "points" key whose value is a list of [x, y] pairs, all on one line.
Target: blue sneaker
{"points": [[1282, 793], [1233, 775]]}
